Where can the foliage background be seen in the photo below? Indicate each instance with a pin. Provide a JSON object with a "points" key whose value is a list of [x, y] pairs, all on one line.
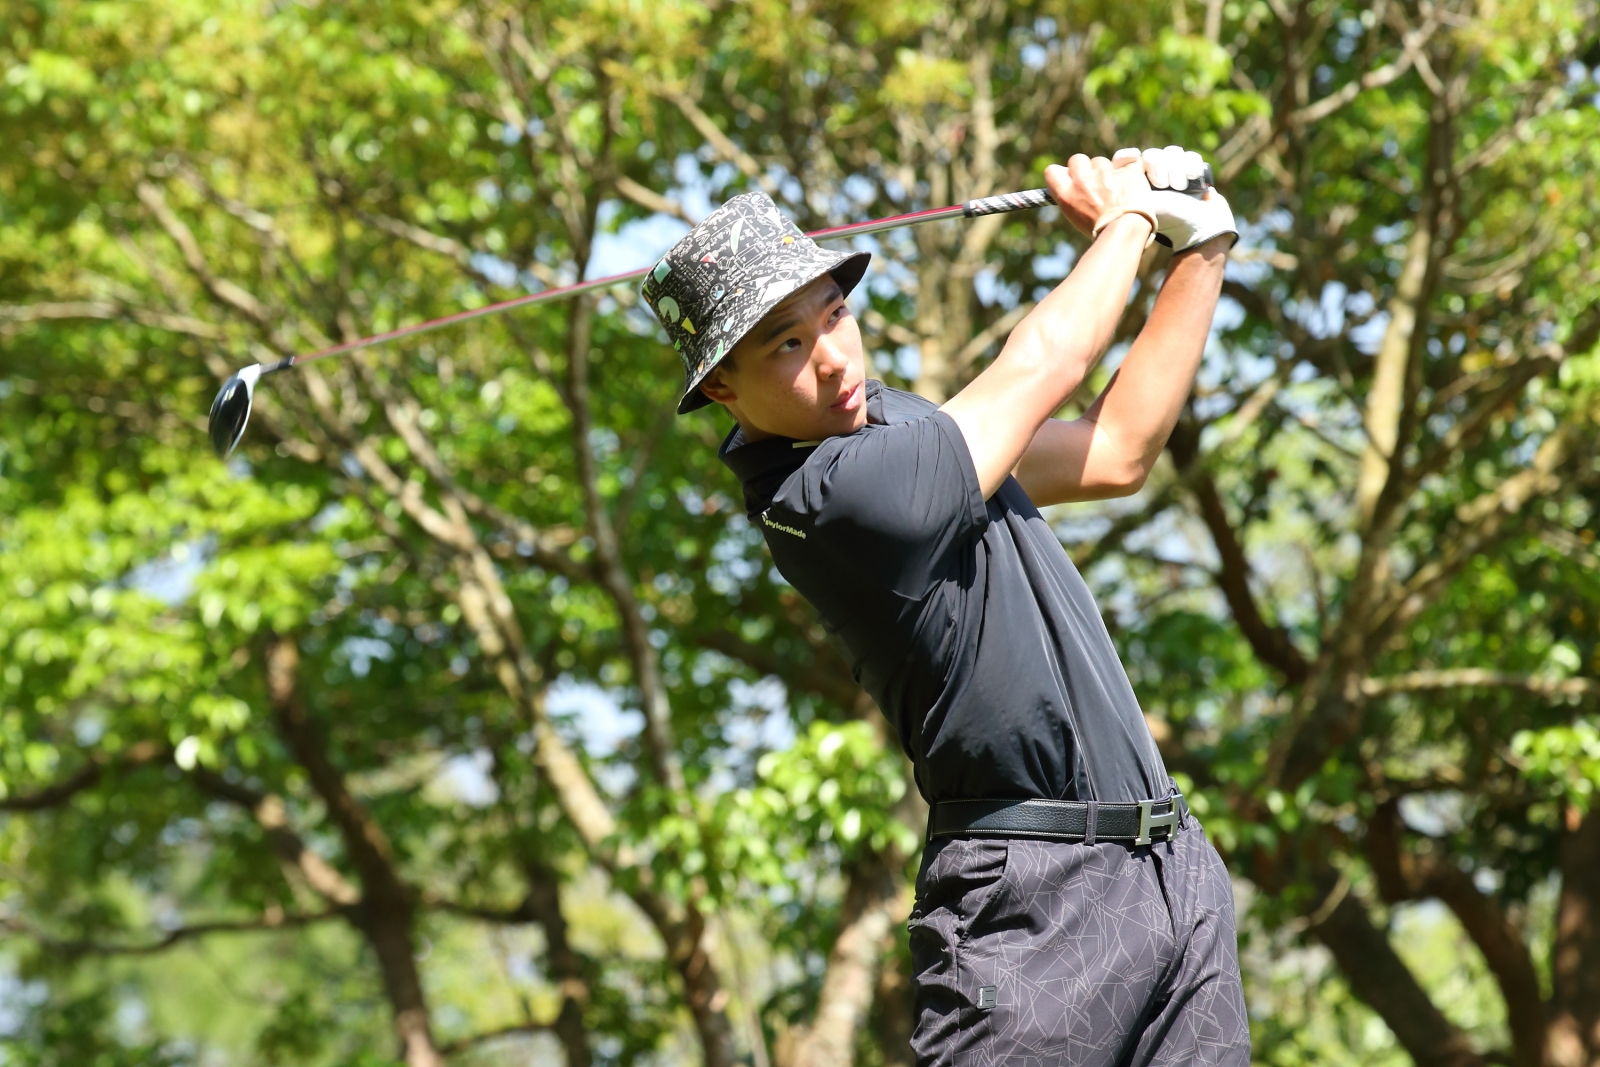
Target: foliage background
{"points": [[461, 715]]}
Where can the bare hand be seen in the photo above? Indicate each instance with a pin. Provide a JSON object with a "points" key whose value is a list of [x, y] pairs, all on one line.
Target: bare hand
{"points": [[1087, 189]]}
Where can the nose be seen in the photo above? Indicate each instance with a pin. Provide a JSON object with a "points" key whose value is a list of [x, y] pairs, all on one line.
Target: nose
{"points": [[831, 358]]}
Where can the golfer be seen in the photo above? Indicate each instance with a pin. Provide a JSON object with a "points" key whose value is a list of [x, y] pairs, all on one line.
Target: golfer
{"points": [[1069, 908]]}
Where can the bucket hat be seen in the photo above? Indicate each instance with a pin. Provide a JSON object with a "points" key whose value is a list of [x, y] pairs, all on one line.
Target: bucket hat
{"points": [[739, 263]]}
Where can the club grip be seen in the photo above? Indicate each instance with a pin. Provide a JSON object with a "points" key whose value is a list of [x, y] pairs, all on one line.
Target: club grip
{"points": [[1032, 198], [994, 205]]}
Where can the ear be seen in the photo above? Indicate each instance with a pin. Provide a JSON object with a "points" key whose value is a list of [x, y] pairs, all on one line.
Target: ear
{"points": [[716, 388]]}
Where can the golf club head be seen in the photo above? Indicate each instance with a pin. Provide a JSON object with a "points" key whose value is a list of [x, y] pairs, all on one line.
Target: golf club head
{"points": [[230, 411]]}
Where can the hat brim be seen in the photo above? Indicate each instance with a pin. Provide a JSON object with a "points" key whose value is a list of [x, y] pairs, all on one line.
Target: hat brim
{"points": [[847, 271]]}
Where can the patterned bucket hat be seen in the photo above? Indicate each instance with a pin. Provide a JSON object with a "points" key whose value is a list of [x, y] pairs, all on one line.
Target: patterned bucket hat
{"points": [[720, 280]]}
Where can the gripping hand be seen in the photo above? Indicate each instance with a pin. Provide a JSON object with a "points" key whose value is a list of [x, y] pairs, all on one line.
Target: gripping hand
{"points": [[1183, 220]]}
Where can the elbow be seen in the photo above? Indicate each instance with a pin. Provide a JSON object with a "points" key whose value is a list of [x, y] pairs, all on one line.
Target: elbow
{"points": [[1128, 481], [1127, 469]]}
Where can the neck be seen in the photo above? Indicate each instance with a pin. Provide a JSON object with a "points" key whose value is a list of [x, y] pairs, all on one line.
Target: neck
{"points": [[750, 431], [753, 432]]}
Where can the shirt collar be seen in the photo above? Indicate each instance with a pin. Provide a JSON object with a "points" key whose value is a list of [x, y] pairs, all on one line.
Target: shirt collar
{"points": [[761, 466]]}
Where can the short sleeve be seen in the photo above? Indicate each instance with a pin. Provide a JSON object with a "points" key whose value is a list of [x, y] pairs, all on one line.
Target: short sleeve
{"points": [[889, 502]]}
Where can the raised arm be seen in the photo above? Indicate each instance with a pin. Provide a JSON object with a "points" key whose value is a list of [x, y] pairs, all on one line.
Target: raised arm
{"points": [[1051, 351], [1110, 450]]}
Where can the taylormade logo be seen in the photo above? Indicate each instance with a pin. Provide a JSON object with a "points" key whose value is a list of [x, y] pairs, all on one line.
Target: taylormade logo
{"points": [[780, 526]]}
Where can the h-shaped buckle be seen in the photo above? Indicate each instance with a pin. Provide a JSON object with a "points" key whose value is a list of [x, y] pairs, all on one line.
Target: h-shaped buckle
{"points": [[1149, 820]]}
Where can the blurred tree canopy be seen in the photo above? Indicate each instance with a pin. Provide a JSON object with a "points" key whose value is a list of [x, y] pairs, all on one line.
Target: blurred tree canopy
{"points": [[461, 715]]}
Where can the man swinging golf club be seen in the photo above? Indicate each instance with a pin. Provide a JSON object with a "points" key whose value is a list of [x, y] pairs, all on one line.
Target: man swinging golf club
{"points": [[1069, 908]]}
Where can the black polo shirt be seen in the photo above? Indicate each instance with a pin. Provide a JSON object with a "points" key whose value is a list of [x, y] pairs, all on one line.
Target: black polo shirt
{"points": [[963, 618]]}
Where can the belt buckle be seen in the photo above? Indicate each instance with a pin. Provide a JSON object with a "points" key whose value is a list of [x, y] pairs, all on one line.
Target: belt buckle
{"points": [[1149, 820]]}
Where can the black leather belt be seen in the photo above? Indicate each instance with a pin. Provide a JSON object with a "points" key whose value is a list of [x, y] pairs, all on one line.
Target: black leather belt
{"points": [[1060, 820]]}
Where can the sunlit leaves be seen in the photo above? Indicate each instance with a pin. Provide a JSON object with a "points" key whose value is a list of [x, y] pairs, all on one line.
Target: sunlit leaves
{"points": [[1564, 757], [918, 80], [836, 783], [1181, 83]]}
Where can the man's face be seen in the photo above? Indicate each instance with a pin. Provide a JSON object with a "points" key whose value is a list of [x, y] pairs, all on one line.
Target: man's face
{"points": [[800, 372]]}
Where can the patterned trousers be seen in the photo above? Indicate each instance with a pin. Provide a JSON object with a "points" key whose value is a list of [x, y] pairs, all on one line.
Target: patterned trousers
{"points": [[1028, 953]]}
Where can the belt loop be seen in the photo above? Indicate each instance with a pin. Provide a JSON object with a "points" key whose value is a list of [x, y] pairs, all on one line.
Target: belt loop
{"points": [[1091, 819]]}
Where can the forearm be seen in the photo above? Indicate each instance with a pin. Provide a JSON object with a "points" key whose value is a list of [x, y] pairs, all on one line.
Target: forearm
{"points": [[1062, 338], [1135, 415], [1051, 351], [1110, 450]]}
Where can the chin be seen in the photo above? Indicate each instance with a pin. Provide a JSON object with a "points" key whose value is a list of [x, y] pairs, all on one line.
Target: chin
{"points": [[837, 423], [815, 423]]}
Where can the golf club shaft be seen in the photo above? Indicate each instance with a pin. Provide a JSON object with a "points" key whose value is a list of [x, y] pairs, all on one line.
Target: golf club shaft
{"points": [[989, 205]]}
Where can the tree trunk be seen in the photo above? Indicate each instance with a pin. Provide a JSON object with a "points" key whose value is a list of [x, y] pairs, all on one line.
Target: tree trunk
{"points": [[702, 986], [389, 933], [384, 915], [1380, 978], [873, 902], [1394, 357], [567, 968], [1574, 1039], [893, 1010], [487, 609], [1403, 876]]}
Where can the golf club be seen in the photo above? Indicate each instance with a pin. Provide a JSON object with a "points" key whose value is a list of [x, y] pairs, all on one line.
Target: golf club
{"points": [[230, 411]]}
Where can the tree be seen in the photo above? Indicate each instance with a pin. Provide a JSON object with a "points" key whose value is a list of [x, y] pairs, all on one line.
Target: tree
{"points": [[1357, 604]]}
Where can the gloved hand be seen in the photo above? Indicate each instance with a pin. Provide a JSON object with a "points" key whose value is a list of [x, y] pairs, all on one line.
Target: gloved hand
{"points": [[1183, 221]]}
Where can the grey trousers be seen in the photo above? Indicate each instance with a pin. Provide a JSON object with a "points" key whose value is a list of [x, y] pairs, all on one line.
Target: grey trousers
{"points": [[1028, 953]]}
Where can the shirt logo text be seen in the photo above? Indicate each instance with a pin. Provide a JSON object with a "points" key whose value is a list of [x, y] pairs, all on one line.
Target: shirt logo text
{"points": [[781, 527]]}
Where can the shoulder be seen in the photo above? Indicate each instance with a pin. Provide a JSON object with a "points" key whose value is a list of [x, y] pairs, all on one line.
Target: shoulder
{"points": [[901, 406], [905, 480]]}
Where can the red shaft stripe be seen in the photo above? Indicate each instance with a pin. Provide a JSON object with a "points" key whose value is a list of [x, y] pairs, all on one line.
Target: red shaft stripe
{"points": [[476, 313], [834, 232]]}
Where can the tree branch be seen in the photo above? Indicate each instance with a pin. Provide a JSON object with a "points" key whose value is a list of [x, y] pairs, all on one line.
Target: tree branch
{"points": [[1470, 427], [272, 816], [991, 333], [570, 971], [424, 239], [1381, 979], [649, 199], [1468, 677], [86, 777], [106, 310], [227, 292], [1271, 643], [683, 929], [837, 686], [548, 550], [1483, 520], [719, 141], [609, 566], [1377, 78], [74, 949], [1402, 876], [451, 1048]]}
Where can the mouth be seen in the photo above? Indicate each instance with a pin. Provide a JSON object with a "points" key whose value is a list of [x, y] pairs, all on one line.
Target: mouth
{"points": [[849, 400]]}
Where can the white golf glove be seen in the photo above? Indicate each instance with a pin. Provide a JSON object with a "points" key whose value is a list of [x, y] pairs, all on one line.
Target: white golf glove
{"points": [[1183, 221]]}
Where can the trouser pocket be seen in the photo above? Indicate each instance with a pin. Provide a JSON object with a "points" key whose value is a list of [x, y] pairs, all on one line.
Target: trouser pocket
{"points": [[961, 882]]}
